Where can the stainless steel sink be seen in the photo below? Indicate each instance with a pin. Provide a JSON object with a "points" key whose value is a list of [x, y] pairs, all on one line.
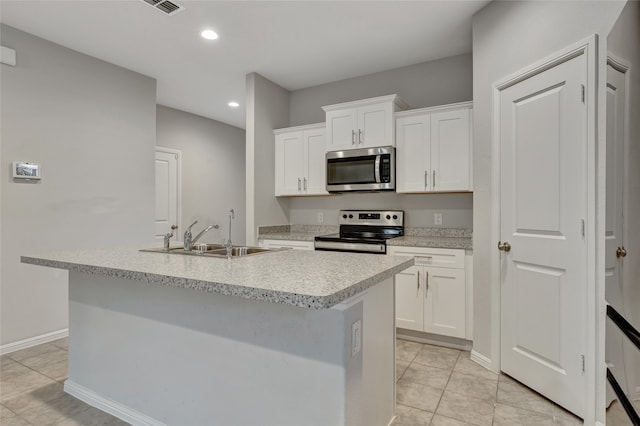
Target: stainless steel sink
{"points": [[213, 250]]}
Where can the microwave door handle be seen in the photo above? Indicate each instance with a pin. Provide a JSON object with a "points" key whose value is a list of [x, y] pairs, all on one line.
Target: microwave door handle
{"points": [[377, 167]]}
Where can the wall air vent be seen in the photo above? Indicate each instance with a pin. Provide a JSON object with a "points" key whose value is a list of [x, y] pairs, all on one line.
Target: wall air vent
{"points": [[165, 6]]}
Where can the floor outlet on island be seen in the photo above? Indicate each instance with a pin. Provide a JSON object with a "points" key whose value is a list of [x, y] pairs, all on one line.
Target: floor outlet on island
{"points": [[356, 337]]}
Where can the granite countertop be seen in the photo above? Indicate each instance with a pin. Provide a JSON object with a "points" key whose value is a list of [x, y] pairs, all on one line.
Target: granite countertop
{"points": [[453, 238], [308, 279]]}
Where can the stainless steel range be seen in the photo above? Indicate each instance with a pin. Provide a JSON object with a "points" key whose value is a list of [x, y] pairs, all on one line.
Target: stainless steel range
{"points": [[364, 231]]}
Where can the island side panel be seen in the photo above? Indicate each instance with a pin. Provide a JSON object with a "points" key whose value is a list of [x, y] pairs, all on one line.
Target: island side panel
{"points": [[379, 354], [185, 357]]}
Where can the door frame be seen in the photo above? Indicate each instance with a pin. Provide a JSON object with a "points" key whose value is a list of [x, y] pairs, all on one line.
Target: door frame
{"points": [[594, 229], [178, 155]]}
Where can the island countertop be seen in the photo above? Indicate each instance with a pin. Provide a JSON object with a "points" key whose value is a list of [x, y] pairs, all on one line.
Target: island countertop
{"points": [[308, 279]]}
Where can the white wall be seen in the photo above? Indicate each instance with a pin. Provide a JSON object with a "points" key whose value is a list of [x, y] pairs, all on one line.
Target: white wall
{"points": [[213, 171], [91, 126], [622, 44], [427, 84], [267, 109]]}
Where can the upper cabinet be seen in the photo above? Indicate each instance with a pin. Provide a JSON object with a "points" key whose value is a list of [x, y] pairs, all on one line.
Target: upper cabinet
{"points": [[434, 149], [300, 160], [362, 124]]}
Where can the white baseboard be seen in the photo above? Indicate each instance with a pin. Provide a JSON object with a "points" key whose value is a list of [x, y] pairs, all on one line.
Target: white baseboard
{"points": [[33, 341], [109, 406], [599, 424], [482, 360]]}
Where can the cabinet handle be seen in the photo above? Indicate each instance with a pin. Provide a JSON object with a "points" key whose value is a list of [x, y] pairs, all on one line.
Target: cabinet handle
{"points": [[353, 137], [359, 136], [304, 180], [433, 180], [418, 279], [298, 184], [426, 179], [426, 283]]}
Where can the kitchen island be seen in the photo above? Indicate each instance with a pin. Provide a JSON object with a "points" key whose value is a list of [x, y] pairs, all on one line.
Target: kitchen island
{"points": [[281, 338]]}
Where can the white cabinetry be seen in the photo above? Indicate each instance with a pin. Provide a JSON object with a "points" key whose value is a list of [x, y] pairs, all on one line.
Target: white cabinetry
{"points": [[362, 124], [432, 296], [298, 245], [300, 160], [434, 149]]}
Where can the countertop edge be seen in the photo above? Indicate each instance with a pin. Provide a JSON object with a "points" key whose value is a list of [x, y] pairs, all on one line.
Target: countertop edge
{"points": [[245, 292]]}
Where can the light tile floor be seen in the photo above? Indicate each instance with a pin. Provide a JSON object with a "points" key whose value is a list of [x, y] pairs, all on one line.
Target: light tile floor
{"points": [[443, 387], [436, 386]]}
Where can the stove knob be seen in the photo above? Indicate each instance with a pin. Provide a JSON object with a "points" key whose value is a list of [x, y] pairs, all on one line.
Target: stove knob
{"points": [[344, 216], [395, 216], [388, 217], [350, 216]]}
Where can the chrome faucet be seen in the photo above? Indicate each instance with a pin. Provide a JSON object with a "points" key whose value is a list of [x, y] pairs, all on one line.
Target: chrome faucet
{"points": [[228, 244], [189, 241], [168, 236]]}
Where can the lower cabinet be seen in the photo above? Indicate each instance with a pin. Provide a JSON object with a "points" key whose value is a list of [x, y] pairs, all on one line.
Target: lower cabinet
{"points": [[432, 296], [298, 245]]}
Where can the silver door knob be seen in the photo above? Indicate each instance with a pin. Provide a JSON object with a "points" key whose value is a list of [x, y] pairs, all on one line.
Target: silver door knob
{"points": [[621, 252], [505, 247]]}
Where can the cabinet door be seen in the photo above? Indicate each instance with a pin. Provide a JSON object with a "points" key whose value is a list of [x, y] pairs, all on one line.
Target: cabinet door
{"points": [[451, 151], [342, 128], [316, 180], [413, 136], [410, 298], [445, 302], [376, 125], [289, 163]]}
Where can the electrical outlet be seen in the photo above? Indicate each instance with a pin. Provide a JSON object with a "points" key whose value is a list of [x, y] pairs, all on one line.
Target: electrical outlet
{"points": [[437, 219], [356, 338], [320, 217]]}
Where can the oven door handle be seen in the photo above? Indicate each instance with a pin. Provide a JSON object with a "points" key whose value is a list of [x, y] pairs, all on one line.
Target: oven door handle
{"points": [[377, 167]]}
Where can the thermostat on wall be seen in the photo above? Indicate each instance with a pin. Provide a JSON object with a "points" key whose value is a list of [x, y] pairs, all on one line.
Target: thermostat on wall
{"points": [[22, 170]]}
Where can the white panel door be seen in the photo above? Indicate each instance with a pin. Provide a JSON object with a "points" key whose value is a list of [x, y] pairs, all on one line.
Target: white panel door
{"points": [[376, 125], [543, 162], [413, 145], [445, 302], [316, 175], [167, 192], [450, 151], [614, 224], [410, 298], [342, 127]]}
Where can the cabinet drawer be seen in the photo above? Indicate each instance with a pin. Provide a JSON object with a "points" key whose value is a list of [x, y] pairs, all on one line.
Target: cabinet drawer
{"points": [[425, 256], [299, 245]]}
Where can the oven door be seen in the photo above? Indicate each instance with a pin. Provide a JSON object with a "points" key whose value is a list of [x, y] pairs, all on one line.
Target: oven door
{"points": [[370, 169]]}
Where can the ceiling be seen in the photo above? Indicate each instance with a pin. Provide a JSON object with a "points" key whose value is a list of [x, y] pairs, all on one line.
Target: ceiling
{"points": [[296, 44]]}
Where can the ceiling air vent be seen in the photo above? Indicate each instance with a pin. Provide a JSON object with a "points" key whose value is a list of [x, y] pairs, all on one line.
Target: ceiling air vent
{"points": [[165, 6]]}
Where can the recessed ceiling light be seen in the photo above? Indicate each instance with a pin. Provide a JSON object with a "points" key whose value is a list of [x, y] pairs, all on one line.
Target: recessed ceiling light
{"points": [[233, 104], [209, 34]]}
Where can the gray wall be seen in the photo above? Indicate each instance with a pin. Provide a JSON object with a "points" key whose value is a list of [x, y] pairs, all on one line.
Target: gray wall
{"points": [[508, 36], [427, 84], [622, 44], [213, 171], [91, 126], [267, 109]]}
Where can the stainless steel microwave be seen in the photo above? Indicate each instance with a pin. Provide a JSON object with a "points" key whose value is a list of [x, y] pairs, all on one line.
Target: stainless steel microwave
{"points": [[367, 169]]}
